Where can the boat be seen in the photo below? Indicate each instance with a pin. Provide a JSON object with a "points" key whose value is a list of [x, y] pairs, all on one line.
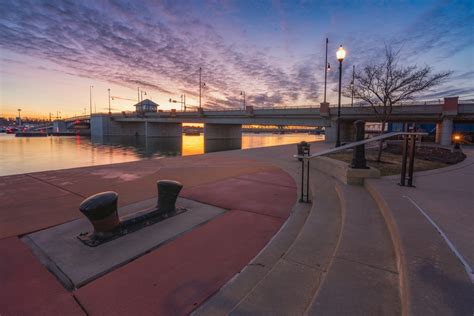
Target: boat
{"points": [[31, 134], [192, 133]]}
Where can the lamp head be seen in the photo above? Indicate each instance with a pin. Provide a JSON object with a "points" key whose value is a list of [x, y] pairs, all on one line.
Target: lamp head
{"points": [[341, 53]]}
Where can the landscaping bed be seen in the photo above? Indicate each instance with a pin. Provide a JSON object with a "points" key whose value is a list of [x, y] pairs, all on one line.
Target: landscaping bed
{"points": [[427, 158]]}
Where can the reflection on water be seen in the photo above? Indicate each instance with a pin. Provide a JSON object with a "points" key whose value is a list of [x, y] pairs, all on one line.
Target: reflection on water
{"points": [[213, 145], [24, 154], [144, 147]]}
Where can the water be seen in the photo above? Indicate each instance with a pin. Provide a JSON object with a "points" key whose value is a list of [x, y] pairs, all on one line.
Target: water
{"points": [[31, 154]]}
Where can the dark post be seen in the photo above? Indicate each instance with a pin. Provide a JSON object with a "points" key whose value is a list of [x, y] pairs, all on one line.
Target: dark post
{"points": [[168, 191], [404, 156], [338, 139], [411, 163], [307, 182], [304, 150], [302, 181], [358, 156], [101, 210]]}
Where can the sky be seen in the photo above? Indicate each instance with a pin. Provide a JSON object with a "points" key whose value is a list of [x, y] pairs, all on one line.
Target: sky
{"points": [[51, 52]]}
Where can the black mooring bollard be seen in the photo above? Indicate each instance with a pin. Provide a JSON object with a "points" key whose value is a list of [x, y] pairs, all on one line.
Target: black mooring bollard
{"points": [[358, 156], [101, 210], [168, 191]]}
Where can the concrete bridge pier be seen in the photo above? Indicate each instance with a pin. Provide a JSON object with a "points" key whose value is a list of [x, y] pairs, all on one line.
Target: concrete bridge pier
{"points": [[347, 132], [445, 131], [59, 126], [219, 137], [105, 125]]}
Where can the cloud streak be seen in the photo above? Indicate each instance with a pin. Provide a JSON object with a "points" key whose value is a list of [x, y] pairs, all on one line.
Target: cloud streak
{"points": [[144, 45]]}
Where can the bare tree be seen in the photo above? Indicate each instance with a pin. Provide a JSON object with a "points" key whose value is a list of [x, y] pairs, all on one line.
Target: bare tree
{"points": [[385, 84]]}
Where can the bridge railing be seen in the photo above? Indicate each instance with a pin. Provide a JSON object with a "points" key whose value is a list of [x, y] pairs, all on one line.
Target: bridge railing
{"points": [[283, 107], [305, 159], [317, 106]]}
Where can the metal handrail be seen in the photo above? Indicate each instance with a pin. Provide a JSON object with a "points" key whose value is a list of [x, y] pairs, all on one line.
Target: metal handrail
{"points": [[362, 142], [305, 159]]}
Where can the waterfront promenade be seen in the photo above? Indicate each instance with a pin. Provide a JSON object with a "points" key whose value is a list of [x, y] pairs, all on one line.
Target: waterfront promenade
{"points": [[354, 250]]}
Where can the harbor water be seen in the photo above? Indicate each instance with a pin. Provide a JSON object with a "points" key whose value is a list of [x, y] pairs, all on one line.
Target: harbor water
{"points": [[31, 154]]}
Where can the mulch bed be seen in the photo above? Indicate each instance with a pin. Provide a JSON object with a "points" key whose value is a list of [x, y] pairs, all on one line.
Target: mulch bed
{"points": [[426, 158], [430, 153]]}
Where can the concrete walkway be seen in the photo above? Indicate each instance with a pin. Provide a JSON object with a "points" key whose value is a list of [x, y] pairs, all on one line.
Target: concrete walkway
{"points": [[447, 197], [432, 230]]}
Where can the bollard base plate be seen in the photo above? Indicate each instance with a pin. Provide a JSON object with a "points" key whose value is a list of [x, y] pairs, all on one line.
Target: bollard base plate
{"points": [[128, 226]]}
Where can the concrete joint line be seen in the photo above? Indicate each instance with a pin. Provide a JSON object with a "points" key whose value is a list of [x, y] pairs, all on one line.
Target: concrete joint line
{"points": [[367, 265], [301, 264], [56, 186], [80, 305], [467, 267]]}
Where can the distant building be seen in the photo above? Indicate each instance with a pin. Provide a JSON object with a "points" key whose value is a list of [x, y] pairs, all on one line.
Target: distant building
{"points": [[146, 106]]}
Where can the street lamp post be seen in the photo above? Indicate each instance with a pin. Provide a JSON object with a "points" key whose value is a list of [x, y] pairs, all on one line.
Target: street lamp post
{"points": [[90, 99], [242, 93], [182, 102], [352, 85], [326, 68], [19, 117], [110, 112], [201, 85], [340, 54]]}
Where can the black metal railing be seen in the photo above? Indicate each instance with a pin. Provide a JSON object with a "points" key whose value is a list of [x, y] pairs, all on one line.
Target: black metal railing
{"points": [[409, 150]]}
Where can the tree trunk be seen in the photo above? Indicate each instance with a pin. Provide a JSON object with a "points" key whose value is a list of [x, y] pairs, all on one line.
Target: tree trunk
{"points": [[379, 154]]}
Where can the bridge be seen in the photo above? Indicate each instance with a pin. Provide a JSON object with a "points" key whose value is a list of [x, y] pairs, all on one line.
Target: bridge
{"points": [[227, 124]]}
